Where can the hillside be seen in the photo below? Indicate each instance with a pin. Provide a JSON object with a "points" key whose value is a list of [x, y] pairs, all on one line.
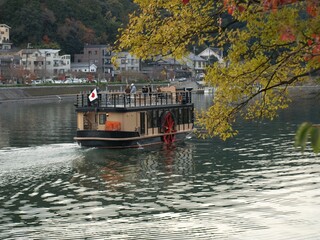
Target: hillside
{"points": [[64, 24]]}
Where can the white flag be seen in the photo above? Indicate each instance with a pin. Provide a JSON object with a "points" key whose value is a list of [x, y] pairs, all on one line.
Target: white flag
{"points": [[93, 95]]}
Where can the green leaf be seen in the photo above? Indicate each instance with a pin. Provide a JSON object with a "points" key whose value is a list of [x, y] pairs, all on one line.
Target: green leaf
{"points": [[315, 139], [302, 135]]}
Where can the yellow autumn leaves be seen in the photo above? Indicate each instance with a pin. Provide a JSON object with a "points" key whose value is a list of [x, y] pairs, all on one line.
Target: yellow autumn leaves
{"points": [[265, 52]]}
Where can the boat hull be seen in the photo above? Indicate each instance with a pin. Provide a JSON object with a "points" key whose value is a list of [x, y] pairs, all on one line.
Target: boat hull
{"points": [[120, 139]]}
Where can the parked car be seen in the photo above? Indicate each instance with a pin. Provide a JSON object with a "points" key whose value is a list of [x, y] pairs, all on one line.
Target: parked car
{"points": [[35, 82], [48, 80], [76, 80], [68, 80], [183, 79]]}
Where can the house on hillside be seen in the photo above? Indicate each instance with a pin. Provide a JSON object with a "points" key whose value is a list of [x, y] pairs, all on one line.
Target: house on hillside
{"points": [[45, 63], [189, 66], [5, 43], [196, 63], [212, 55], [127, 62], [83, 68], [100, 56], [9, 60], [165, 68]]}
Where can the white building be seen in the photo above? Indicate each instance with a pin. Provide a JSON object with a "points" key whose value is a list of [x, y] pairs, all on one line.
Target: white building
{"points": [[127, 62], [83, 67], [209, 52], [5, 43], [195, 62], [45, 63]]}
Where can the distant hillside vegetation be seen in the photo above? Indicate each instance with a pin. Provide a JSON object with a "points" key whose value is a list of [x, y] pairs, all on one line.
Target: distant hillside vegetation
{"points": [[64, 24]]}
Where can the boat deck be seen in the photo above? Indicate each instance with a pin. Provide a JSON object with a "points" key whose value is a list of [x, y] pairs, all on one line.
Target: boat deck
{"points": [[126, 101]]}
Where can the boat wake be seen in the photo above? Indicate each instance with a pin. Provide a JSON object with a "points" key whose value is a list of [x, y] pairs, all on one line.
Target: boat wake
{"points": [[19, 162]]}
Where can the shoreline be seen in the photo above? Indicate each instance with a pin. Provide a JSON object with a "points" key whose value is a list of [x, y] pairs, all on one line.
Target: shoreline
{"points": [[16, 94], [26, 93], [9, 94]]}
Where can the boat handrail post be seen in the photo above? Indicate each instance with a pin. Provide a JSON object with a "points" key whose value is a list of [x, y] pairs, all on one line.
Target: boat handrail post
{"points": [[87, 99], [77, 101], [150, 99], [125, 100], [117, 99], [99, 99], [114, 100], [139, 98]]}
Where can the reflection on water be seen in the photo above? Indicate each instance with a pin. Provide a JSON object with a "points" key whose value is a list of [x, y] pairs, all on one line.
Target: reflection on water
{"points": [[253, 186], [27, 124], [120, 168]]}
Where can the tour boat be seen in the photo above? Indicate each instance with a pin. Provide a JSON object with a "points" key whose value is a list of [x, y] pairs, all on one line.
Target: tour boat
{"points": [[121, 120]]}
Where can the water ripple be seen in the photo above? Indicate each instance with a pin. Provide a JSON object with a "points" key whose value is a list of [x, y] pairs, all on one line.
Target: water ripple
{"points": [[255, 186]]}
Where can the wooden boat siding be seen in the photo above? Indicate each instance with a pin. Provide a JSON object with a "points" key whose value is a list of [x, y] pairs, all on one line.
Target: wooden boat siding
{"points": [[130, 121]]}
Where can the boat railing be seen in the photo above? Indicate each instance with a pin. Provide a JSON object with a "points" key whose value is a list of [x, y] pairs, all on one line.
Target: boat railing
{"points": [[118, 100]]}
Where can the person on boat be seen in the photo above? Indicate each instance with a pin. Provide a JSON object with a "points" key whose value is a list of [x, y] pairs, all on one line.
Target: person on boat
{"points": [[127, 91], [159, 94], [145, 91], [133, 89], [150, 90]]}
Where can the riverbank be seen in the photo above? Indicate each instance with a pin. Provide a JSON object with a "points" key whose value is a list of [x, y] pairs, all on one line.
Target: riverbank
{"points": [[63, 91], [69, 91], [40, 92]]}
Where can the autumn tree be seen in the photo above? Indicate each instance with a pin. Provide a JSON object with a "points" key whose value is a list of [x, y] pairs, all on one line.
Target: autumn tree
{"points": [[270, 45]]}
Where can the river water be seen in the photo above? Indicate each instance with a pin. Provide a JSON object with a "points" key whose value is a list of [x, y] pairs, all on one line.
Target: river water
{"points": [[255, 186]]}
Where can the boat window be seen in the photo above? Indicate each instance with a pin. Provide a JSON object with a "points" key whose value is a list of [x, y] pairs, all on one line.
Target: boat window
{"points": [[160, 112], [190, 115], [159, 118], [176, 114], [179, 117], [102, 119], [185, 115], [142, 122], [155, 118], [149, 119]]}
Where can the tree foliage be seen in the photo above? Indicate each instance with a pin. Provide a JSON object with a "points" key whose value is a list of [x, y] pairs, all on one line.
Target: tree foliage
{"points": [[270, 45], [308, 132]]}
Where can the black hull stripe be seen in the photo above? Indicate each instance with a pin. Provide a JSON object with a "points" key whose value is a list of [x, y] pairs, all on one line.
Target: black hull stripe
{"points": [[130, 138]]}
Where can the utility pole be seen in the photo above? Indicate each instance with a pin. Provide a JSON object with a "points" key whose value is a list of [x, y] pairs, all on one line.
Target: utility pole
{"points": [[27, 55], [194, 62], [45, 65]]}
